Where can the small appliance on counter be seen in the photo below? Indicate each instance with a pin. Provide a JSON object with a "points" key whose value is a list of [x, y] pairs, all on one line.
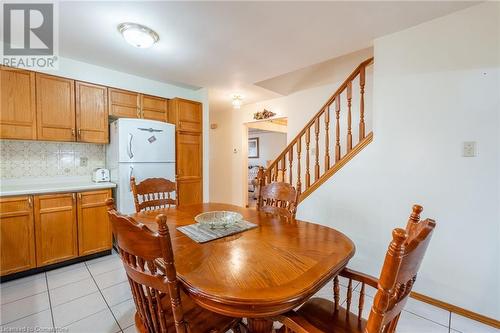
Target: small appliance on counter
{"points": [[100, 175]]}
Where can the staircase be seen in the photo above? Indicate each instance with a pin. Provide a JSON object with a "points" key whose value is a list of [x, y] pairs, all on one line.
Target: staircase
{"points": [[330, 129]]}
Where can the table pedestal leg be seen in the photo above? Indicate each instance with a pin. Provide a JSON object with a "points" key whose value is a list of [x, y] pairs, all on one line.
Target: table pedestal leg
{"points": [[260, 325]]}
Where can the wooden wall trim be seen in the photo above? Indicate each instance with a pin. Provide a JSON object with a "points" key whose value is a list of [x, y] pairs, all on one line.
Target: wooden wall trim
{"points": [[456, 309]]}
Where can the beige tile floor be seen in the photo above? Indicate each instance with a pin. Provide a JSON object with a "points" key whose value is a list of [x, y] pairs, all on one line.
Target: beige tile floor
{"points": [[94, 297]]}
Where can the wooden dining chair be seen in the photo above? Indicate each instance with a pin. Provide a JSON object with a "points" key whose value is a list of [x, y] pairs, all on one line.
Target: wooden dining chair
{"points": [[153, 193], [397, 277], [149, 263], [277, 198]]}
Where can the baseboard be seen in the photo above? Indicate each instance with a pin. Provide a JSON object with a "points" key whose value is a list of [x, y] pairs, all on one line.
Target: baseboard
{"points": [[456, 309]]}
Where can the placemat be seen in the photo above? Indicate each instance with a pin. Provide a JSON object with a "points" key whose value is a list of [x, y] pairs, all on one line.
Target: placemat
{"points": [[202, 234]]}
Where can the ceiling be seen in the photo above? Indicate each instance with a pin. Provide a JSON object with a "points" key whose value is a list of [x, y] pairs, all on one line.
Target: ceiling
{"points": [[229, 46]]}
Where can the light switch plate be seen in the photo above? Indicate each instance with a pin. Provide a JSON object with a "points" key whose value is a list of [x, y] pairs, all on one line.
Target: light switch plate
{"points": [[469, 149]]}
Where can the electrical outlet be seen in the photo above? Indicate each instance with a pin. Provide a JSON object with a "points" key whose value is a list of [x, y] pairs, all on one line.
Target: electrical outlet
{"points": [[84, 161], [469, 149]]}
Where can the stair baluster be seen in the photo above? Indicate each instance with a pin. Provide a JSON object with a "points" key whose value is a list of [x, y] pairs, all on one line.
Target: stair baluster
{"points": [[337, 129], [316, 133], [283, 168], [308, 141], [362, 103], [299, 150], [327, 138], [349, 116]]}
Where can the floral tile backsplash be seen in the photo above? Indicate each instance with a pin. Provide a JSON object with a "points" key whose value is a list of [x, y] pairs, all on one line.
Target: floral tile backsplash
{"points": [[20, 159]]}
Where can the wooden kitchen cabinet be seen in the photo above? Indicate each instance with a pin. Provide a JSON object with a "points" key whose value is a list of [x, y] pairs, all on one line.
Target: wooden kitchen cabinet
{"points": [[17, 235], [17, 104], [91, 113], [55, 228], [185, 114], [189, 168], [187, 117], [123, 103], [55, 108], [94, 230], [154, 108]]}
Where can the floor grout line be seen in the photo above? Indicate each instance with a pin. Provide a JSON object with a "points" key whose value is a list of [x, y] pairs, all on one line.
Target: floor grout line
{"points": [[31, 314], [19, 299], [105, 301], [80, 280], [50, 303]]}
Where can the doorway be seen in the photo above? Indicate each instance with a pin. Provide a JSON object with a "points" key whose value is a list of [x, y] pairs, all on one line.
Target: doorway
{"points": [[266, 140]]}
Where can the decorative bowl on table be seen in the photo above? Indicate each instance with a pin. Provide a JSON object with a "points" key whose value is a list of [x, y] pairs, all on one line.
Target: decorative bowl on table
{"points": [[218, 219]]}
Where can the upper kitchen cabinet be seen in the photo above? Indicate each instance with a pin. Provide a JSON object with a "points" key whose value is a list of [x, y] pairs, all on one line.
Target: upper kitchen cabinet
{"points": [[91, 113], [55, 108], [124, 104], [185, 114], [154, 108], [17, 104]]}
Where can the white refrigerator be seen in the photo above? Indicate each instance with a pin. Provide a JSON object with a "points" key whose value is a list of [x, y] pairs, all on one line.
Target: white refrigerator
{"points": [[140, 148]]}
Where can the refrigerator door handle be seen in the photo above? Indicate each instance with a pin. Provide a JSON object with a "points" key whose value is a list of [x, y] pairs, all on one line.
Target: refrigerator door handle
{"points": [[129, 147], [130, 174]]}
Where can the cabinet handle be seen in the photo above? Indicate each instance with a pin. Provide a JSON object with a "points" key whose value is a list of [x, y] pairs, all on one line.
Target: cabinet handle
{"points": [[30, 201], [79, 196], [72, 132], [79, 133], [74, 196]]}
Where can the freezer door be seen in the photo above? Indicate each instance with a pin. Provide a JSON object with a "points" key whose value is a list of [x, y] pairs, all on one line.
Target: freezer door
{"points": [[141, 171], [143, 140]]}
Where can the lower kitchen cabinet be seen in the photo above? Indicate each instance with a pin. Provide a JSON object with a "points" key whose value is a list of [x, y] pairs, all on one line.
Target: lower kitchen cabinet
{"points": [[17, 235], [55, 228], [41, 230], [94, 230]]}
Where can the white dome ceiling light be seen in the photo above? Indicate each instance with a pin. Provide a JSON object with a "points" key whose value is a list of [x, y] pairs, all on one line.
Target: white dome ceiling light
{"points": [[138, 35]]}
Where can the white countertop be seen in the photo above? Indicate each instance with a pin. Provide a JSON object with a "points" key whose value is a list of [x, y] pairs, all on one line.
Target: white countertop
{"points": [[24, 186]]}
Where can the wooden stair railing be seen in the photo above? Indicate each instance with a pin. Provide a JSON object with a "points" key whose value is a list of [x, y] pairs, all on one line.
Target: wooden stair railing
{"points": [[317, 165]]}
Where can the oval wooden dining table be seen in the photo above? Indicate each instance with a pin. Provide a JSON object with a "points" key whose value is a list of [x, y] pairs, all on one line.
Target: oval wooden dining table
{"points": [[259, 273]]}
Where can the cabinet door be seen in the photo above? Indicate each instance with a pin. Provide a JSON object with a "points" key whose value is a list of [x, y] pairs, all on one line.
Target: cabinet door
{"points": [[17, 236], [55, 228], [17, 104], [190, 191], [94, 230], [123, 104], [185, 114], [55, 108], [189, 167], [154, 108], [91, 113]]}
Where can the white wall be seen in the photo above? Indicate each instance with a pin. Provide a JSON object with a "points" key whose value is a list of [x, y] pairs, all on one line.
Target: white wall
{"points": [[436, 85], [82, 71], [270, 145]]}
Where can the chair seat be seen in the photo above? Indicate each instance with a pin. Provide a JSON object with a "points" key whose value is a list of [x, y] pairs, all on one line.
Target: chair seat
{"points": [[320, 313], [198, 319]]}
